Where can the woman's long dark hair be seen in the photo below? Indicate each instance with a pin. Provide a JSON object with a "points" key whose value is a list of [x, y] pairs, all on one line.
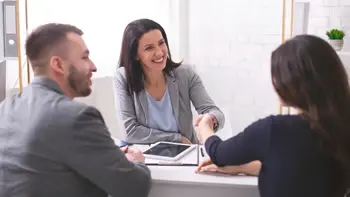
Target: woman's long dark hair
{"points": [[128, 53], [308, 74]]}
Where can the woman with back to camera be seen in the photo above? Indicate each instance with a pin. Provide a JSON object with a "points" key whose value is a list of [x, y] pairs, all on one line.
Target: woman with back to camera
{"points": [[153, 93], [304, 155]]}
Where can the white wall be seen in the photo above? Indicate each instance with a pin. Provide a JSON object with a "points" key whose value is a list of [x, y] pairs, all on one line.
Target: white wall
{"points": [[103, 24], [228, 41], [230, 45]]}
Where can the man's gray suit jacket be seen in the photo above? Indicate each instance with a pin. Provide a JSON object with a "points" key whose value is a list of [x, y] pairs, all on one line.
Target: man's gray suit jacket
{"points": [[52, 146]]}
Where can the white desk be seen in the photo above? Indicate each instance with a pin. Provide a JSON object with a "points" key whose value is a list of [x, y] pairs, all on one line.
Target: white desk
{"points": [[182, 181]]}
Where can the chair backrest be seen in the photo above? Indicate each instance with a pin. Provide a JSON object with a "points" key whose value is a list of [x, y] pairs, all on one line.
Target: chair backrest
{"points": [[103, 98]]}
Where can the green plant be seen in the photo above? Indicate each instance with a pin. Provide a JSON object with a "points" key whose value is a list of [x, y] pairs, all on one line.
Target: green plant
{"points": [[335, 34]]}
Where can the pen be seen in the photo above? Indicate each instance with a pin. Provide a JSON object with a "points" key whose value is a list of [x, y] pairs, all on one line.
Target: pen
{"points": [[126, 149], [202, 153]]}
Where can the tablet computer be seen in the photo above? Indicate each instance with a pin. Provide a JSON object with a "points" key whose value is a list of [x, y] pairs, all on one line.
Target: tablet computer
{"points": [[169, 151]]}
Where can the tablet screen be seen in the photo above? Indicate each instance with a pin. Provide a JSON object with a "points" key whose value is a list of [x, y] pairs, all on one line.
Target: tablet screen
{"points": [[166, 150]]}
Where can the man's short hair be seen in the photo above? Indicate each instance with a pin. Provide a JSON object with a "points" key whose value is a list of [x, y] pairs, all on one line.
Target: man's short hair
{"points": [[45, 40]]}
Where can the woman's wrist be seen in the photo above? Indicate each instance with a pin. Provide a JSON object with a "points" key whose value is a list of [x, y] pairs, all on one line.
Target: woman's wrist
{"points": [[206, 132]]}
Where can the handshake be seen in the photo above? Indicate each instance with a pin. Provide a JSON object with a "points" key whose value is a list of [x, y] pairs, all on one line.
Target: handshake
{"points": [[205, 124]]}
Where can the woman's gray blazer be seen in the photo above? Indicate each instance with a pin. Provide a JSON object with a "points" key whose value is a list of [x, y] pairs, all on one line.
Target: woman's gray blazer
{"points": [[184, 86]]}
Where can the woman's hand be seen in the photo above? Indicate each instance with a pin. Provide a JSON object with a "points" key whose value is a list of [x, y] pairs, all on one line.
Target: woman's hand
{"points": [[199, 118], [185, 140], [252, 168], [204, 125], [203, 164], [208, 166]]}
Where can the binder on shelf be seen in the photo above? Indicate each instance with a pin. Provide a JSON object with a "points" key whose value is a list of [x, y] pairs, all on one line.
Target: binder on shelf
{"points": [[8, 34]]}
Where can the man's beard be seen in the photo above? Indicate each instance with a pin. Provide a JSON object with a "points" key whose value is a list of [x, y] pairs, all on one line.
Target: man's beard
{"points": [[77, 83]]}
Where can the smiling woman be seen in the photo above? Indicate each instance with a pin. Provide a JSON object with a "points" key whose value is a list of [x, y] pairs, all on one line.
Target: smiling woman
{"points": [[154, 93]]}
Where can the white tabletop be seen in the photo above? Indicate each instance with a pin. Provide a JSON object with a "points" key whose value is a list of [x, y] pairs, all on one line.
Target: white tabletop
{"points": [[187, 175]]}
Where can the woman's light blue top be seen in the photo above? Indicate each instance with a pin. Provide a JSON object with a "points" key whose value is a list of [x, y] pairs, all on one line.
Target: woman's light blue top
{"points": [[160, 113]]}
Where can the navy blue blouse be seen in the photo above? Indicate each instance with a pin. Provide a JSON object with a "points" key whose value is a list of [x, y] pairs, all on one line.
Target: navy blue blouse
{"points": [[292, 162]]}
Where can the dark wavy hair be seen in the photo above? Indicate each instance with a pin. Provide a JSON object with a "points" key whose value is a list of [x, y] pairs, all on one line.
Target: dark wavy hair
{"points": [[308, 74], [128, 53]]}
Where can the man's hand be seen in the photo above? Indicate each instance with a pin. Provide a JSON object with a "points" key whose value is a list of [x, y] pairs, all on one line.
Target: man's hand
{"points": [[133, 154], [185, 140]]}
